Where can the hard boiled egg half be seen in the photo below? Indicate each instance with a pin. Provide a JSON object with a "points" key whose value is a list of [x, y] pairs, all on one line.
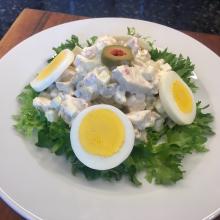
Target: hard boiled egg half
{"points": [[177, 98], [53, 70], [102, 137]]}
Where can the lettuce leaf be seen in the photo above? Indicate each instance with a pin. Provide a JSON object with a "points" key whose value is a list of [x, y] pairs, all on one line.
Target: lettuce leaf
{"points": [[182, 66], [69, 44]]}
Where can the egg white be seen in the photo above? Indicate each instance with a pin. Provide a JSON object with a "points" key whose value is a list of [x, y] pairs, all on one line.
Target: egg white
{"points": [[40, 85], [100, 162], [168, 102]]}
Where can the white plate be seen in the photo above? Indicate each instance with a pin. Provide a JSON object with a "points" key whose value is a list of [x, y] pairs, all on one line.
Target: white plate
{"points": [[39, 185]]}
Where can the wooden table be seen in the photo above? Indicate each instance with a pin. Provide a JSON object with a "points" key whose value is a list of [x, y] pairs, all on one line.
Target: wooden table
{"points": [[32, 21]]}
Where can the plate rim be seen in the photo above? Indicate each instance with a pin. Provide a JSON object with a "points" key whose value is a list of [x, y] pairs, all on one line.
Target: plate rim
{"points": [[6, 197]]}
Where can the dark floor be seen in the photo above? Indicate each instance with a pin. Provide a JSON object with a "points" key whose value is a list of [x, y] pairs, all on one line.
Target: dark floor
{"points": [[194, 15]]}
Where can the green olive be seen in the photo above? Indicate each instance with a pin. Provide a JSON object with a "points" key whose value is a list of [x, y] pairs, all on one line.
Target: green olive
{"points": [[116, 55]]}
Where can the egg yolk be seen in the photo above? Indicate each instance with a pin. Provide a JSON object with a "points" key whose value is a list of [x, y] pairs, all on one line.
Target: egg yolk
{"points": [[55, 63], [182, 97], [101, 132]]}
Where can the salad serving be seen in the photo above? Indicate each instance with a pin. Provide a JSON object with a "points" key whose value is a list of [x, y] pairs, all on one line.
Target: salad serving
{"points": [[116, 107]]}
